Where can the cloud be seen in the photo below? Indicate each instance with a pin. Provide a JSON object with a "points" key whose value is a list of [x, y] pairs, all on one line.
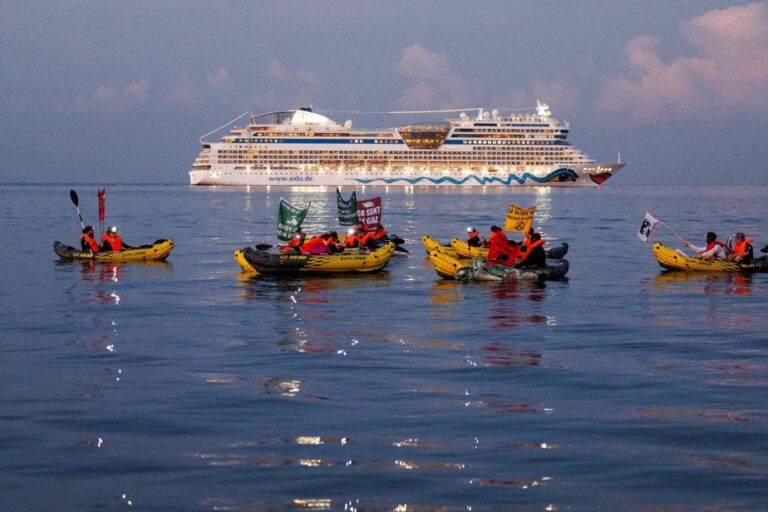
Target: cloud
{"points": [[219, 78], [727, 74], [436, 84], [111, 97]]}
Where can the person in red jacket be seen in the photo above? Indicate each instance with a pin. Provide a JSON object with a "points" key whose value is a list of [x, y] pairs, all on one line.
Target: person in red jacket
{"points": [[714, 250], [294, 245], [111, 240], [316, 245], [533, 255], [742, 249], [87, 242], [473, 238], [500, 250]]}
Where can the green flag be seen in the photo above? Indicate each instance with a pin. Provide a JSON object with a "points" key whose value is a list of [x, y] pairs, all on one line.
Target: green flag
{"points": [[347, 209], [289, 219]]}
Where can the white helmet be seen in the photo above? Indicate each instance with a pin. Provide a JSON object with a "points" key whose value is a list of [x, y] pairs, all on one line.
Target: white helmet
{"points": [[112, 229], [470, 229]]}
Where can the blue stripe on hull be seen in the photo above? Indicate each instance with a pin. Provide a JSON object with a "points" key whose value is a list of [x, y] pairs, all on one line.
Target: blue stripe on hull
{"points": [[559, 175]]}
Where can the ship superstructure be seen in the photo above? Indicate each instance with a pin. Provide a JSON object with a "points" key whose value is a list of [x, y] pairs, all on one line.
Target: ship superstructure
{"points": [[301, 147]]}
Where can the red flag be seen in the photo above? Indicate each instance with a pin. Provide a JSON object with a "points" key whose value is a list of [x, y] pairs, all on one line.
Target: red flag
{"points": [[101, 193]]}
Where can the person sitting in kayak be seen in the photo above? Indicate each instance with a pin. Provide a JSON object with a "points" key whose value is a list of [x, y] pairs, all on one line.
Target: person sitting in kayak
{"points": [[473, 238], [111, 240], [742, 249], [316, 245], [294, 245], [532, 254], [500, 250], [333, 244], [87, 242], [380, 233], [353, 238], [714, 250]]}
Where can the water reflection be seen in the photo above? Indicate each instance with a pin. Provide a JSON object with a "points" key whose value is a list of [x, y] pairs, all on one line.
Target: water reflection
{"points": [[513, 300], [739, 285]]}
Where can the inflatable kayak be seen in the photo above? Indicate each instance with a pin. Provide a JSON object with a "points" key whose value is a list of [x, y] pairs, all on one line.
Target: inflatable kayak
{"points": [[670, 259], [478, 269], [481, 270], [158, 251], [446, 265], [430, 244], [269, 262], [465, 251]]}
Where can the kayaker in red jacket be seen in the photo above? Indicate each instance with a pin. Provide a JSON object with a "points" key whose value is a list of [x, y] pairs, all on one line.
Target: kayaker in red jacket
{"points": [[500, 250], [87, 242]]}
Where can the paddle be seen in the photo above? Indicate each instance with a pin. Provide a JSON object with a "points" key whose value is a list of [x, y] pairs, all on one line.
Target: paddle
{"points": [[76, 201]]}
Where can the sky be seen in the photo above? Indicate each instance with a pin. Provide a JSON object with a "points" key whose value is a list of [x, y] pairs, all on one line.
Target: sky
{"points": [[120, 92]]}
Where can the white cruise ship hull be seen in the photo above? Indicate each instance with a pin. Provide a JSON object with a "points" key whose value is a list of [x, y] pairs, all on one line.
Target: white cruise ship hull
{"points": [[570, 175]]}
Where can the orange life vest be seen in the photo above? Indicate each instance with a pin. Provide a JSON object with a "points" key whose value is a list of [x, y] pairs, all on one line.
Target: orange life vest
{"points": [[712, 245], [115, 242], [294, 243], [740, 248], [90, 241], [380, 234], [315, 245], [498, 245], [529, 248]]}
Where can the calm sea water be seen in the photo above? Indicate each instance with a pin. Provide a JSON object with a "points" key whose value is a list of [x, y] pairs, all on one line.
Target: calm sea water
{"points": [[187, 386]]}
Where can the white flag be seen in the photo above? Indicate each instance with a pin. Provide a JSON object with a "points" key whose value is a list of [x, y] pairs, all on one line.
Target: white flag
{"points": [[648, 227]]}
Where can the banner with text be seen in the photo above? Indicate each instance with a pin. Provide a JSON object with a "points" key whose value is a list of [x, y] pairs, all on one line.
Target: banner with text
{"points": [[519, 219], [347, 209], [369, 211], [289, 219]]}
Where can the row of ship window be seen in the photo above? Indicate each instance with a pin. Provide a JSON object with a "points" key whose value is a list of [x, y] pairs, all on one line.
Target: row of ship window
{"points": [[395, 154], [492, 161]]}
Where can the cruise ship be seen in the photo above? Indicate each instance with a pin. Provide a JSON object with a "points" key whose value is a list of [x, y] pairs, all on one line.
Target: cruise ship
{"points": [[485, 148]]}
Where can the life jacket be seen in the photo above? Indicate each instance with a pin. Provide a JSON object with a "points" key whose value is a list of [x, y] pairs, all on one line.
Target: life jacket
{"points": [[115, 242], [364, 241], [740, 248], [352, 240], [474, 234], [379, 234], [316, 245], [711, 245], [332, 245], [498, 245], [90, 241], [529, 248], [294, 243]]}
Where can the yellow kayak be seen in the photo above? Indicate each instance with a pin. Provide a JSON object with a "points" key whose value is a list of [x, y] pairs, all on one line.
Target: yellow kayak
{"points": [[465, 251], [270, 262], [446, 265], [155, 252], [673, 260], [430, 244]]}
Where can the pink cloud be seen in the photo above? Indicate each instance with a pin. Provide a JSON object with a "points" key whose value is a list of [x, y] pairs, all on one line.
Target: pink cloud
{"points": [[728, 73], [436, 84]]}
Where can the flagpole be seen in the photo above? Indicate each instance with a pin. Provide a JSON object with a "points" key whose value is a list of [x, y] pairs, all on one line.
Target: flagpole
{"points": [[673, 232]]}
